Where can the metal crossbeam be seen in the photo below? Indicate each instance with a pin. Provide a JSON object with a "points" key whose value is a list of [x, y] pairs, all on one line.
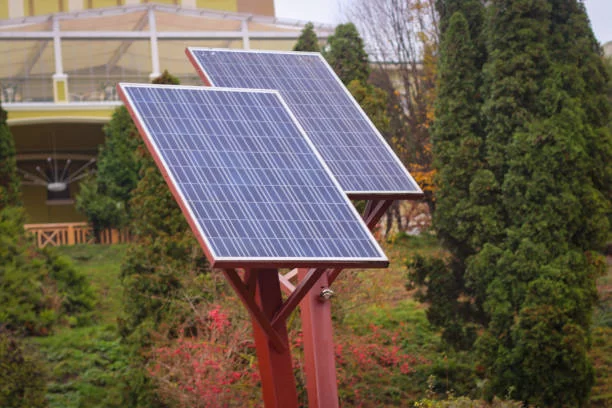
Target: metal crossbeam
{"points": [[297, 295], [119, 52], [33, 58], [143, 35]]}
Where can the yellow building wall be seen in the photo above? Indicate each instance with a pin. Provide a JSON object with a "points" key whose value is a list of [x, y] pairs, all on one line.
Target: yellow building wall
{"points": [[41, 7], [63, 114], [38, 212], [226, 5], [102, 3], [4, 9]]}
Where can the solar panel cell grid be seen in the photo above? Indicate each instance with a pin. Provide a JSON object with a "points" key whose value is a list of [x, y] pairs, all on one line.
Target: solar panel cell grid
{"points": [[249, 180], [355, 152]]}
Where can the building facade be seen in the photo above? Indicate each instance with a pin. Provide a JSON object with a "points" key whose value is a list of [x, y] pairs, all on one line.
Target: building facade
{"points": [[61, 60]]}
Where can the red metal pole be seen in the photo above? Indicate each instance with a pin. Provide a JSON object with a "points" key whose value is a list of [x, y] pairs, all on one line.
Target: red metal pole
{"points": [[275, 366], [319, 353]]}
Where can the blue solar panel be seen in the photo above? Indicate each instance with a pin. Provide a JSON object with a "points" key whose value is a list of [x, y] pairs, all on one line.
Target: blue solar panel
{"points": [[356, 153], [249, 181]]}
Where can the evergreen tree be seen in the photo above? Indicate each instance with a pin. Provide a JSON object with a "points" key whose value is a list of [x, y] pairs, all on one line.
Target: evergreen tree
{"points": [[582, 72], [10, 194], [308, 40], [101, 210], [543, 291], [473, 11], [346, 54], [117, 164], [104, 199], [517, 34], [524, 235], [22, 374], [462, 195]]}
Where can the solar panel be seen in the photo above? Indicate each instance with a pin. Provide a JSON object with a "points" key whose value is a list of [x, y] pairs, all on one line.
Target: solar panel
{"points": [[356, 153], [248, 180]]}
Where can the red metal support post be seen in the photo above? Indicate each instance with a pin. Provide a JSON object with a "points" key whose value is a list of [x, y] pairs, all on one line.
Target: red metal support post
{"points": [[319, 353], [275, 366]]}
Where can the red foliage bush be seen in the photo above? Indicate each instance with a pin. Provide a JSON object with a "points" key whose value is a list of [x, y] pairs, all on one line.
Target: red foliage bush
{"points": [[371, 366], [212, 365]]}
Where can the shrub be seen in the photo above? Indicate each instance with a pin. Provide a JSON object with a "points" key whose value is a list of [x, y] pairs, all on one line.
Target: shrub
{"points": [[104, 199], [463, 402], [210, 364], [37, 287], [22, 374]]}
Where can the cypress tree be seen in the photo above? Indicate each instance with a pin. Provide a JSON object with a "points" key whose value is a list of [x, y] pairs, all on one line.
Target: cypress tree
{"points": [[523, 251], [10, 194], [517, 63], [346, 53], [539, 280], [308, 40], [473, 11], [516, 32], [582, 72], [104, 199], [117, 164], [543, 292], [461, 195]]}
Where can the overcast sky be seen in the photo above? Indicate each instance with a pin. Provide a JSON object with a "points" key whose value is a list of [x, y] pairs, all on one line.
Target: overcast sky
{"points": [[330, 11]]}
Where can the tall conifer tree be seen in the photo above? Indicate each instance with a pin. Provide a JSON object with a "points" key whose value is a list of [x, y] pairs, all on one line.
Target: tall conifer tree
{"points": [[346, 53], [543, 291], [308, 40], [545, 172], [458, 142]]}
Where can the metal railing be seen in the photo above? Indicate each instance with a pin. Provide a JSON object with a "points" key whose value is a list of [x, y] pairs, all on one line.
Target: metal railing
{"points": [[25, 90]]}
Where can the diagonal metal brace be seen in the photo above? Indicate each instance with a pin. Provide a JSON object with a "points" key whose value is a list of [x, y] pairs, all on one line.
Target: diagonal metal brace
{"points": [[297, 295], [245, 293], [286, 286]]}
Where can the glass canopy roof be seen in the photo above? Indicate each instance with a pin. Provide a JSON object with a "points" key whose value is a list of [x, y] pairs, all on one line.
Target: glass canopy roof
{"points": [[94, 49]]}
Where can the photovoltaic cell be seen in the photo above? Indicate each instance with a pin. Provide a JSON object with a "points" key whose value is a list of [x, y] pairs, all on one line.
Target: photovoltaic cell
{"points": [[356, 153], [249, 181]]}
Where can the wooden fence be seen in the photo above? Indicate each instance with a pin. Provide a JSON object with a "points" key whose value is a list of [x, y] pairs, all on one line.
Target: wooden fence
{"points": [[72, 234]]}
